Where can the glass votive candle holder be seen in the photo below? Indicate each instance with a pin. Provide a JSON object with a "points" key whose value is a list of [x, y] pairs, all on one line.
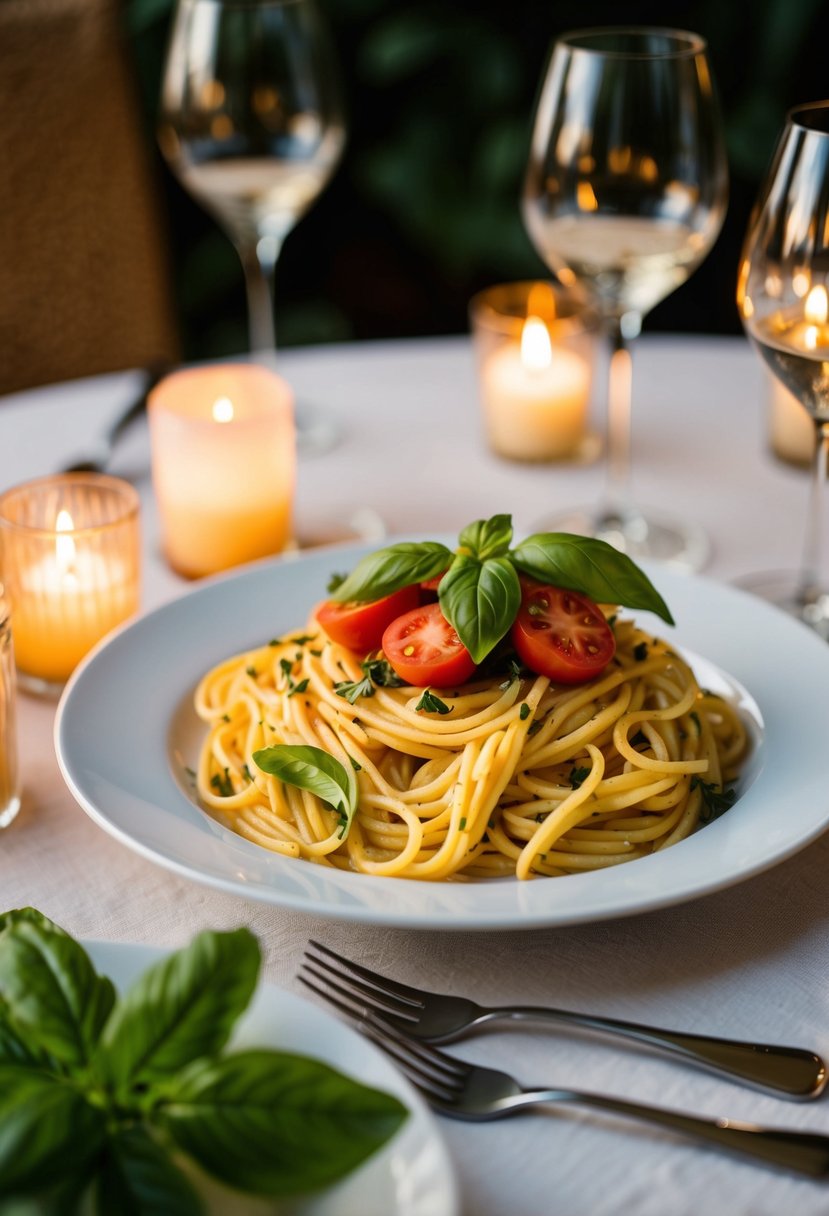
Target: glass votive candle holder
{"points": [[535, 346], [9, 773], [70, 556], [224, 465]]}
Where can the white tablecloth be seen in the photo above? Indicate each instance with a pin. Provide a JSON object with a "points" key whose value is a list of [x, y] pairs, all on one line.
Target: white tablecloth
{"points": [[749, 962]]}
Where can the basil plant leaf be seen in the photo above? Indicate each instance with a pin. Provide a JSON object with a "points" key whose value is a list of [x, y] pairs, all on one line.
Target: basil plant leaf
{"points": [[274, 1123], [487, 537], [591, 566], [48, 1130], [51, 998], [480, 599], [387, 570], [183, 1007], [137, 1176], [314, 770]]}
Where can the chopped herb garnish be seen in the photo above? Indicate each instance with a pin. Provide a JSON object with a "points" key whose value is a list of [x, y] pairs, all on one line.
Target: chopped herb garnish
{"points": [[534, 728], [287, 666], [381, 673], [715, 800], [316, 653], [577, 776], [334, 582], [524, 712], [694, 716], [303, 639], [430, 704], [640, 651], [358, 768], [275, 642], [353, 690], [251, 671], [225, 717], [463, 823], [300, 687], [222, 784], [246, 773]]}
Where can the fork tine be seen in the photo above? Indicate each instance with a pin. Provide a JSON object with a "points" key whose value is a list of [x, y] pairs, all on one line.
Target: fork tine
{"points": [[365, 1015], [348, 983], [382, 983]]}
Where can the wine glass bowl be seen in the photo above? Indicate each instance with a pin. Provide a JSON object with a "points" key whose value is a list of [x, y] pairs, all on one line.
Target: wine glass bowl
{"points": [[251, 122], [783, 298], [625, 193]]}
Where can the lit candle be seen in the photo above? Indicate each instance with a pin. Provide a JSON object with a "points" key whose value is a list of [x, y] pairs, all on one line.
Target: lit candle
{"points": [[799, 330], [224, 465], [70, 548], [535, 395]]}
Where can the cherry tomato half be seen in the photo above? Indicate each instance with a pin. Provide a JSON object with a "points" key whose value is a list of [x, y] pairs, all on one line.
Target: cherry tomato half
{"points": [[424, 649], [561, 634], [360, 626]]}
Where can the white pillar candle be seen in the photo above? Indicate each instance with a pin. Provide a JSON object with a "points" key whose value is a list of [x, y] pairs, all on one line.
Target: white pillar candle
{"points": [[224, 465], [535, 395]]}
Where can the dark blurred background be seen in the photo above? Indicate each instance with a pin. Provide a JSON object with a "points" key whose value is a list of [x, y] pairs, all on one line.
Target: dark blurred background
{"points": [[423, 210]]}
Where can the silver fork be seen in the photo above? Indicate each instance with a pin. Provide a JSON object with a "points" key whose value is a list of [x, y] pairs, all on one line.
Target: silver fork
{"points": [[790, 1072], [477, 1094]]}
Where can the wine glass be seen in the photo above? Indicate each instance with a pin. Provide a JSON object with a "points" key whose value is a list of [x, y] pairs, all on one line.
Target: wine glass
{"points": [[251, 123], [784, 305], [625, 193]]}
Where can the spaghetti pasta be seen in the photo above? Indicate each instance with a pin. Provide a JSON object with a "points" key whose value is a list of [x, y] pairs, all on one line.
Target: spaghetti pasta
{"points": [[515, 777]]}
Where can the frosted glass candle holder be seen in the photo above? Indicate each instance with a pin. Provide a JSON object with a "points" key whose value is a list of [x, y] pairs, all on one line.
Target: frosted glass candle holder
{"points": [[224, 465], [70, 556], [535, 350]]}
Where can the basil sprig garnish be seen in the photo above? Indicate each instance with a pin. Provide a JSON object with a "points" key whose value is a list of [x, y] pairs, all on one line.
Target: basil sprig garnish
{"points": [[312, 769], [97, 1091], [480, 593]]}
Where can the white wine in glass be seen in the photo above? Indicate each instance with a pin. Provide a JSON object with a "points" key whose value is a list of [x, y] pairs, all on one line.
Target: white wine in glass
{"points": [[783, 297], [252, 124], [625, 193]]}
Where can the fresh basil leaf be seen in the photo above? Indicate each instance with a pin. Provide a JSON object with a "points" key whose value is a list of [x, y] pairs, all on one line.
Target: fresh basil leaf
{"points": [[137, 1178], [487, 537], [590, 566], [387, 570], [274, 1123], [15, 1050], [47, 1130], [51, 997], [312, 769], [480, 600], [182, 1008]]}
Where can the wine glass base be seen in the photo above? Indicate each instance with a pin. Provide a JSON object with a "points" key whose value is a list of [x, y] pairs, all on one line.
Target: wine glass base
{"points": [[316, 431], [784, 589], [651, 536]]}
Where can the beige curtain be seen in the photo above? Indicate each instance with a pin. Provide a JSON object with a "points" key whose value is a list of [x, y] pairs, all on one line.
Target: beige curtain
{"points": [[84, 281]]}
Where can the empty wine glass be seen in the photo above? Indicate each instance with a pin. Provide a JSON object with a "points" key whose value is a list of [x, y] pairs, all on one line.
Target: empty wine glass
{"points": [[251, 123], [783, 297], [625, 193]]}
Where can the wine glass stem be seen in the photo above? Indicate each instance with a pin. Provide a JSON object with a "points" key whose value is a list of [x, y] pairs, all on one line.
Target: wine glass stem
{"points": [[812, 568], [259, 264], [619, 382]]}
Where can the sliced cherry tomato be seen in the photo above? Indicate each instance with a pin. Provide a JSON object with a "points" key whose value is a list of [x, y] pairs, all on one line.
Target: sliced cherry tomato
{"points": [[432, 584], [360, 626], [561, 634], [424, 649]]}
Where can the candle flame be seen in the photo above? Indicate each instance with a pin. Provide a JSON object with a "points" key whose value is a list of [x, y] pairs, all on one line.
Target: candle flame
{"points": [[815, 310], [223, 410], [536, 348], [64, 544]]}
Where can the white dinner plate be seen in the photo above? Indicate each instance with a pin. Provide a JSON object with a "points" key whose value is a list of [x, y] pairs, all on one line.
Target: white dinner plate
{"points": [[125, 727], [410, 1176]]}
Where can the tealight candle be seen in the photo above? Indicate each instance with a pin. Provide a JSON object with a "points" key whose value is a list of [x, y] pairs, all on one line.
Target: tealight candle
{"points": [[224, 465], [70, 557], [9, 773], [535, 370], [798, 330]]}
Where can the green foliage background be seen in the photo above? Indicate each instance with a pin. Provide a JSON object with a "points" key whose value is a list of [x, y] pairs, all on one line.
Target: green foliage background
{"points": [[423, 210]]}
